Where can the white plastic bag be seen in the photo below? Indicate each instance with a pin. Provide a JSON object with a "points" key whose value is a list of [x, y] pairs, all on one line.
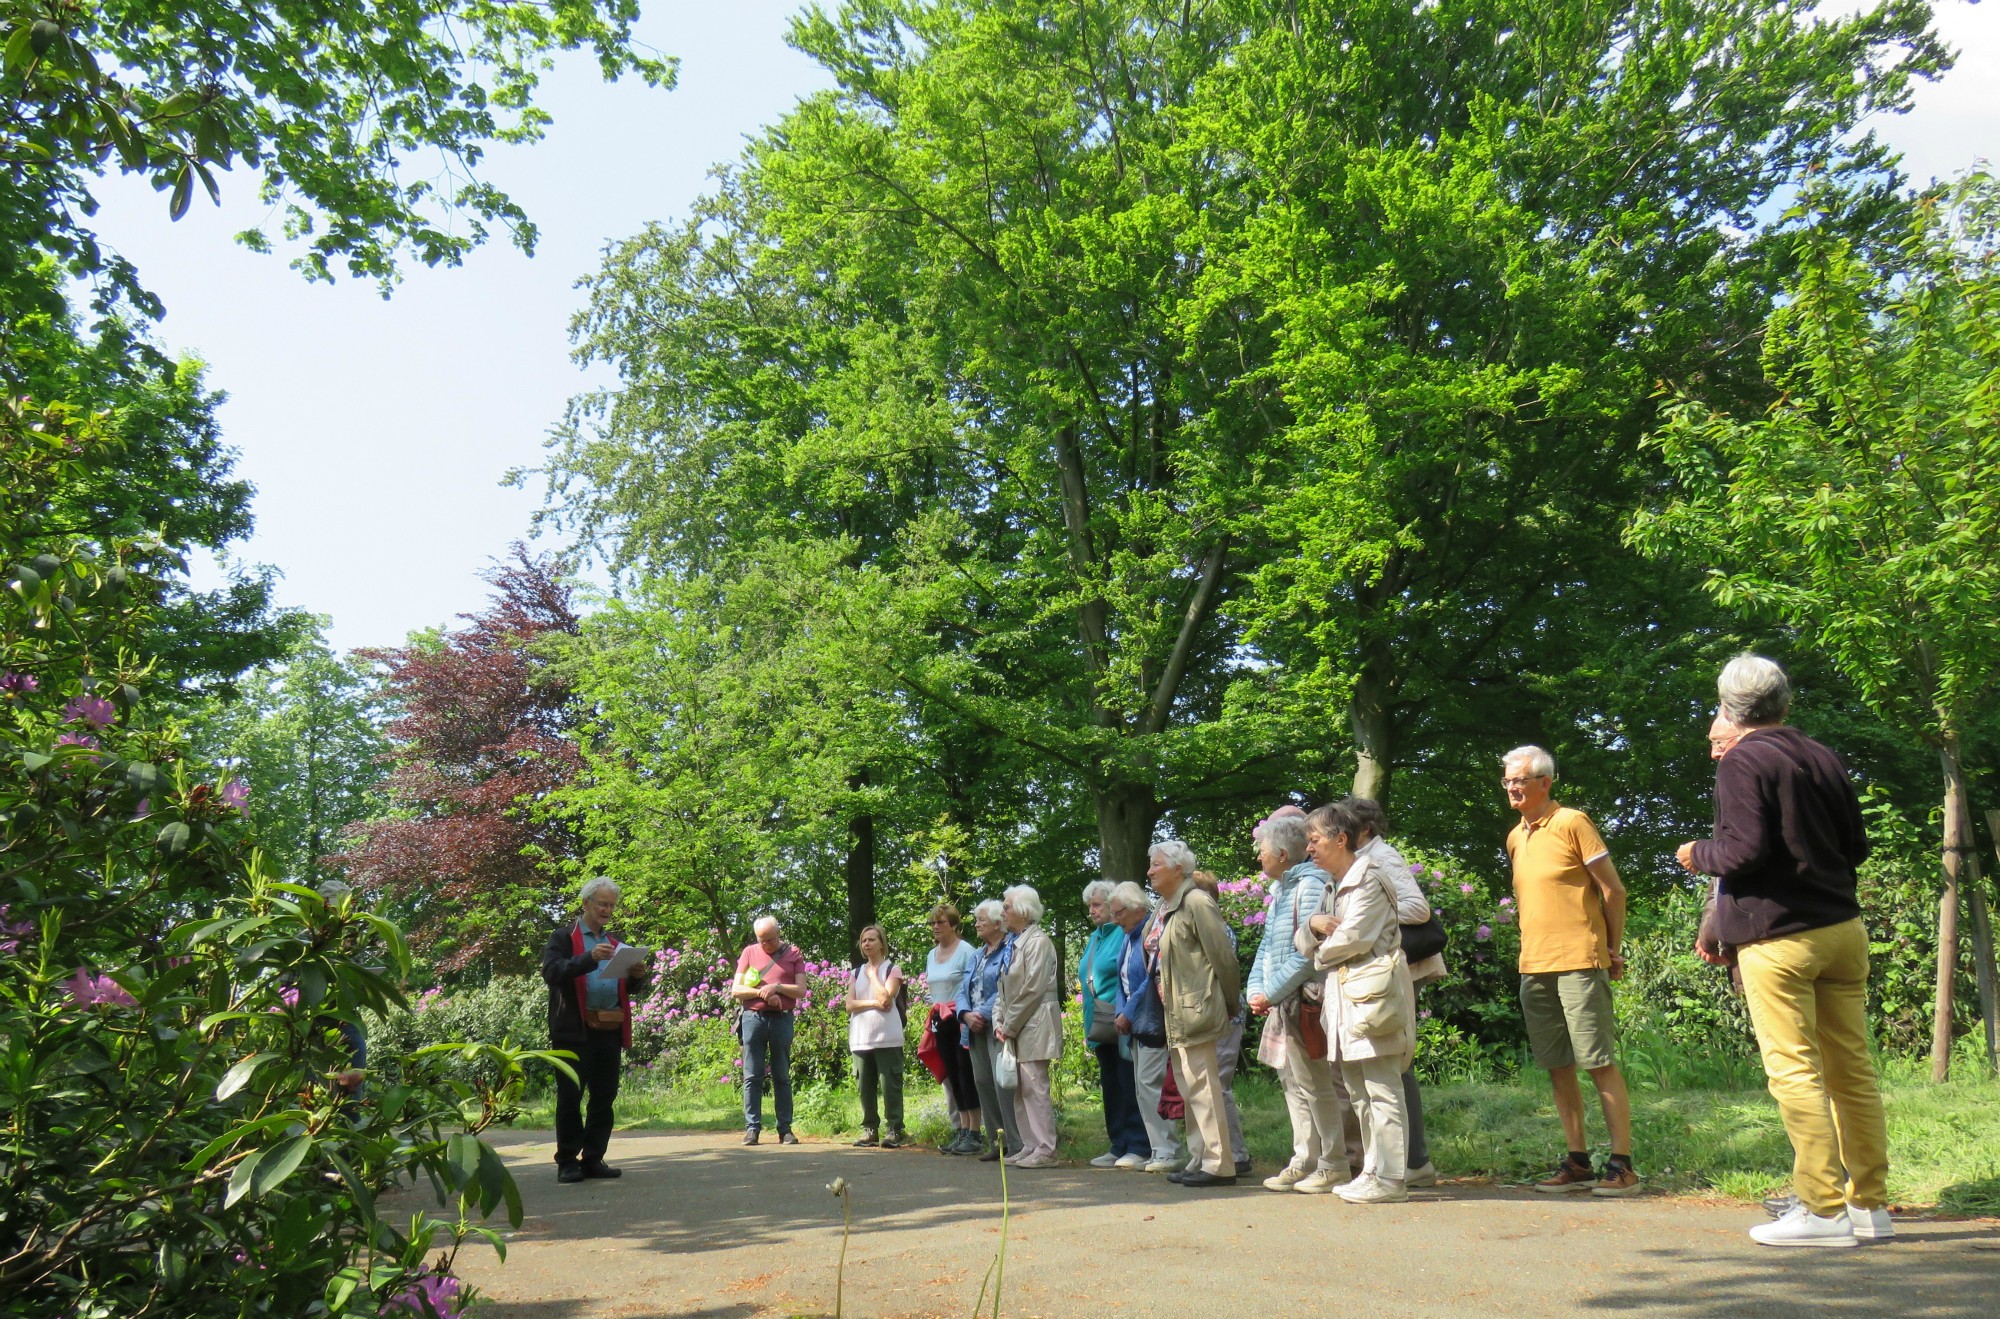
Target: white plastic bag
{"points": [[1006, 1072]]}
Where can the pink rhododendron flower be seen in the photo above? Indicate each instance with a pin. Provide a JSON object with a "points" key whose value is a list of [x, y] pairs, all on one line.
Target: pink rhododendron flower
{"points": [[236, 793], [1465, 888], [87, 990], [84, 740], [92, 710], [12, 931], [1483, 933], [17, 684], [432, 1293]]}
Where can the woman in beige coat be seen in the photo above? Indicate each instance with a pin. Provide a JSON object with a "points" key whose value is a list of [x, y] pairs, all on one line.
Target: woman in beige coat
{"points": [[1028, 1019], [1201, 988], [1369, 997]]}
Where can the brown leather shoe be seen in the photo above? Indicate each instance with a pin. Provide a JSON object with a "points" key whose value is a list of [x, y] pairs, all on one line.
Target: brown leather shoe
{"points": [[1569, 1179], [1617, 1180]]}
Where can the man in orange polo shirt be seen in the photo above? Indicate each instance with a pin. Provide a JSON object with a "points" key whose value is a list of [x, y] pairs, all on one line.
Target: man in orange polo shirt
{"points": [[1572, 913]]}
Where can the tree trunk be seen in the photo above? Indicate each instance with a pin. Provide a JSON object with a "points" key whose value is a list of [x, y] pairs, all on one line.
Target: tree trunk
{"points": [[1368, 715], [1126, 814], [1957, 851], [1982, 950], [860, 868]]}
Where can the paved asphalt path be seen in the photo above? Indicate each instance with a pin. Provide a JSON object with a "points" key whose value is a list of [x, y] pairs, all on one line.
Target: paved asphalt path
{"points": [[701, 1228]]}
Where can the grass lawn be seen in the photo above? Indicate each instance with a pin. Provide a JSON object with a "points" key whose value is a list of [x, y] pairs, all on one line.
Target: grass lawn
{"points": [[1944, 1140]]}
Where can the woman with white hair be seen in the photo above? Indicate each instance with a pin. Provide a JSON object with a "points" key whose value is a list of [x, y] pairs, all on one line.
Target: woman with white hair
{"points": [[1142, 1021], [1326, 1141], [1201, 989], [1097, 981], [1788, 837], [978, 992], [1028, 1020]]}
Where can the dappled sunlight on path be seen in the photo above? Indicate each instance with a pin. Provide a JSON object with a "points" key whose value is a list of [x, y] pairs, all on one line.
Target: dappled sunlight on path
{"points": [[702, 1228]]}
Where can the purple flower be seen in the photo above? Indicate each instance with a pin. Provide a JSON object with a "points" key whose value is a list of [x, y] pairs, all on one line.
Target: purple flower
{"points": [[92, 710], [1423, 1014], [1483, 933], [1465, 888], [431, 1294], [87, 990], [1506, 902], [12, 932], [17, 684], [1418, 871], [84, 740], [235, 792]]}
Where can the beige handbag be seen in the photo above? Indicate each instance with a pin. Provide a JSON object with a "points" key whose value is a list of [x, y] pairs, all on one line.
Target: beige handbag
{"points": [[1374, 1008]]}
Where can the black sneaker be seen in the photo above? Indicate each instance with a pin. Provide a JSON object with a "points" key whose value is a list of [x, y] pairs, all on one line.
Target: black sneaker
{"points": [[867, 1141], [895, 1140], [787, 1138], [598, 1168], [569, 1172], [750, 1136], [1243, 1167]]}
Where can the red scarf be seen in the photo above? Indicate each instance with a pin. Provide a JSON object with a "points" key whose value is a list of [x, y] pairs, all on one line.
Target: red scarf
{"points": [[576, 949]]}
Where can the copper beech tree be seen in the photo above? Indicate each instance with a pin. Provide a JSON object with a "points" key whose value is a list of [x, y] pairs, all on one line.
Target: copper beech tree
{"points": [[480, 738]]}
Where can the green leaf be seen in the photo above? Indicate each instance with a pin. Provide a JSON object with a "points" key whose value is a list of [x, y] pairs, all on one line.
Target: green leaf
{"points": [[239, 1075], [183, 194], [278, 1163]]}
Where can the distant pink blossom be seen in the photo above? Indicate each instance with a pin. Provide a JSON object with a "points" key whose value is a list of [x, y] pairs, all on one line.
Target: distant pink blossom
{"points": [[1465, 888], [1506, 902], [1483, 933], [438, 1291], [84, 740], [12, 931], [92, 710], [236, 793], [87, 990], [17, 684]]}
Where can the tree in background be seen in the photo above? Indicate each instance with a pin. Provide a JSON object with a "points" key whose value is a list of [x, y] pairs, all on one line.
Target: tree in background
{"points": [[306, 739], [1863, 507], [482, 735], [1477, 234]]}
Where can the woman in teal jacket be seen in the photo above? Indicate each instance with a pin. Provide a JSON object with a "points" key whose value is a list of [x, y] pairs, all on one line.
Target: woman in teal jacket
{"points": [[1097, 977]]}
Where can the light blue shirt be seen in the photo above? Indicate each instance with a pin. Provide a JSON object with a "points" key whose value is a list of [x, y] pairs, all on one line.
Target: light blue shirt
{"points": [[1279, 968], [600, 990]]}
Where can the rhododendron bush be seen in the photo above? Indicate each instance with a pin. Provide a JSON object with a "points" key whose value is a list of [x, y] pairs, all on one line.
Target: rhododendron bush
{"points": [[170, 1010]]}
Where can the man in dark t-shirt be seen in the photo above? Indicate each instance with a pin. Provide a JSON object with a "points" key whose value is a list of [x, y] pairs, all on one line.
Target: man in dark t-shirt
{"points": [[770, 981]]}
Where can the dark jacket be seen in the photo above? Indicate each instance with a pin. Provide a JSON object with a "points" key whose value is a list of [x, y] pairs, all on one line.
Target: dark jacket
{"points": [[561, 969], [1788, 835]]}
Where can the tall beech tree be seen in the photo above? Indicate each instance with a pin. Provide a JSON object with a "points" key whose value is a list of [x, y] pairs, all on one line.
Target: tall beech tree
{"points": [[481, 737], [1479, 233], [1863, 507]]}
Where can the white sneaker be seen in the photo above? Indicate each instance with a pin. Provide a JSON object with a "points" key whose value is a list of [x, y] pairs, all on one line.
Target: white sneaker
{"points": [[1105, 1160], [1285, 1178], [1162, 1165], [1802, 1227], [1034, 1161], [1424, 1176], [1317, 1182], [1870, 1224], [1130, 1162], [1368, 1189]]}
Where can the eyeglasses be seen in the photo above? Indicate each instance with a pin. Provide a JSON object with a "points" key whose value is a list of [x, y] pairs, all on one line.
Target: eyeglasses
{"points": [[1517, 782]]}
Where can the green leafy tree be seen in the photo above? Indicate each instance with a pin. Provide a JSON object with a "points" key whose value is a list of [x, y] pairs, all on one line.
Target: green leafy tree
{"points": [[1863, 507], [306, 739], [1476, 235]]}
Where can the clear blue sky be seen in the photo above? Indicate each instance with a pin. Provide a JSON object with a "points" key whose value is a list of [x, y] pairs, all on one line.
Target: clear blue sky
{"points": [[377, 432]]}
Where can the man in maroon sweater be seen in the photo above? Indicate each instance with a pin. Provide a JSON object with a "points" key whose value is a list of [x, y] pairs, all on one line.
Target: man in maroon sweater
{"points": [[1788, 836]]}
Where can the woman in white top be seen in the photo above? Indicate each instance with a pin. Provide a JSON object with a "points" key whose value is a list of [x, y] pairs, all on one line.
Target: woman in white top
{"points": [[1369, 993], [875, 1037], [944, 969]]}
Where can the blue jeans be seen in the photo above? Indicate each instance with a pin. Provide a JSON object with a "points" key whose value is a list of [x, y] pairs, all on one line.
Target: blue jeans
{"points": [[767, 1049], [1121, 1103]]}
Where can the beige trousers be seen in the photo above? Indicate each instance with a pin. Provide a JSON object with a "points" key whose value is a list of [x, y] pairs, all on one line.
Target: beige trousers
{"points": [[1808, 999], [1198, 1073], [1326, 1136], [1377, 1087], [1034, 1112]]}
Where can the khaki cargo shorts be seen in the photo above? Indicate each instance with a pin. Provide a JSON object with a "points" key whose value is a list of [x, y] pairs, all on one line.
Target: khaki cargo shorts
{"points": [[1570, 1019]]}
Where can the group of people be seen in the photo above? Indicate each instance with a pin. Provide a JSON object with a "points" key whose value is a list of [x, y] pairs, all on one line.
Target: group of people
{"points": [[1347, 939]]}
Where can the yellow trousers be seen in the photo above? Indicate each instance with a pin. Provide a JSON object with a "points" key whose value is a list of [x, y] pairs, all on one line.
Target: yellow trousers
{"points": [[1808, 999]]}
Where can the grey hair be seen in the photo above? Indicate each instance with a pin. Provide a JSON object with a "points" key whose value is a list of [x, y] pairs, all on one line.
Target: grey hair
{"points": [[992, 909], [593, 887], [1097, 890], [1025, 901], [1540, 763], [1287, 834], [1753, 690], [766, 919], [1175, 853], [1131, 897]]}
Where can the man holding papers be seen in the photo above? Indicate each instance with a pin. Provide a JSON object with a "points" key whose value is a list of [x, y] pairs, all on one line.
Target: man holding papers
{"points": [[588, 971]]}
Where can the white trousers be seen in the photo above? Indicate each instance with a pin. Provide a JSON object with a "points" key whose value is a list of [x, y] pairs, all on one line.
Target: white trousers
{"points": [[1377, 1087]]}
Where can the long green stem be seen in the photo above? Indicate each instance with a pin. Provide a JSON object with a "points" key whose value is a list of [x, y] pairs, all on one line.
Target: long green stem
{"points": [[840, 1274], [1000, 1271]]}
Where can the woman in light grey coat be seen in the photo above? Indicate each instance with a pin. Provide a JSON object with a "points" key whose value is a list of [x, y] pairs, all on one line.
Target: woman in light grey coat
{"points": [[1370, 999], [1028, 1019]]}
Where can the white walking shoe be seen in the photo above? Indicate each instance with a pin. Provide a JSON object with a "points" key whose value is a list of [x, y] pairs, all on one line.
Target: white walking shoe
{"points": [[1317, 1182], [1802, 1227], [1130, 1162], [1422, 1177], [1368, 1189], [1163, 1165], [1285, 1178], [1105, 1160], [1870, 1224]]}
